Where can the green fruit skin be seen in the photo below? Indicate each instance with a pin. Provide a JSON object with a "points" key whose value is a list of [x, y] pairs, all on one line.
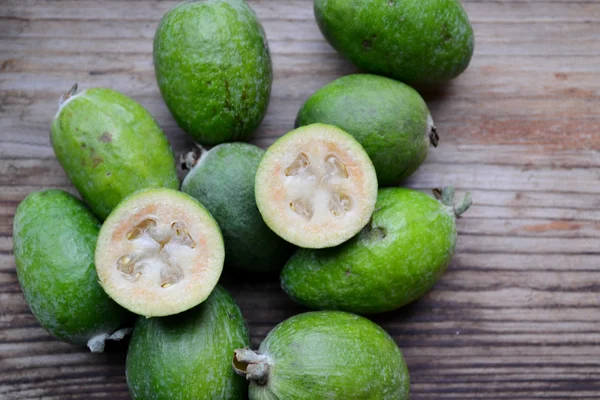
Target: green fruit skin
{"points": [[188, 356], [54, 237], [395, 260], [110, 146], [332, 355], [415, 41], [213, 69], [223, 181], [389, 119]]}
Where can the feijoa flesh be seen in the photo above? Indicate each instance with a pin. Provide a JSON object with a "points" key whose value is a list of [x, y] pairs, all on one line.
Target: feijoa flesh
{"points": [[316, 186], [110, 146], [414, 41], [223, 181], [388, 118], [394, 260], [213, 69], [325, 355], [54, 236], [160, 252], [188, 356]]}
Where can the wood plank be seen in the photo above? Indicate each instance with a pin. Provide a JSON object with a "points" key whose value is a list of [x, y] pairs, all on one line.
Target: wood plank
{"points": [[515, 316]]}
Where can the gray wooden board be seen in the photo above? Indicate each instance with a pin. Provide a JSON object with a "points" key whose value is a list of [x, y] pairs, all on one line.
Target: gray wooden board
{"points": [[517, 315]]}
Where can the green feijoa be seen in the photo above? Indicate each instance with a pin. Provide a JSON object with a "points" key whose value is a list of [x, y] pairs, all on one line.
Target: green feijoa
{"points": [[110, 146], [54, 236], [325, 355], [388, 118], [395, 259], [223, 181], [415, 41], [188, 356], [213, 69]]}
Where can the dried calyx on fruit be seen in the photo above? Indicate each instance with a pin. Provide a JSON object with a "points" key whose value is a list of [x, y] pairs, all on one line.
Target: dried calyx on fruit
{"points": [[359, 359]]}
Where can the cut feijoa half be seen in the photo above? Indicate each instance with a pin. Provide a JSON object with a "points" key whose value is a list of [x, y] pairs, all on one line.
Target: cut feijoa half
{"points": [[159, 253], [316, 186]]}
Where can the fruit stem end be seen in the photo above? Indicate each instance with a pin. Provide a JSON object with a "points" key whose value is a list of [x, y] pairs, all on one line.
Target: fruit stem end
{"points": [[434, 138], [252, 365], [447, 197], [192, 158], [67, 95], [96, 343]]}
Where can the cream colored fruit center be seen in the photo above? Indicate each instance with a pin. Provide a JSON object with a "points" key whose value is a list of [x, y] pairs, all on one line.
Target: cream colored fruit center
{"points": [[155, 250], [314, 182]]}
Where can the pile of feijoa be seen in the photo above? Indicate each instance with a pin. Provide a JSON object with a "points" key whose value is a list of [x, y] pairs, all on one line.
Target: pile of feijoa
{"points": [[312, 207]]}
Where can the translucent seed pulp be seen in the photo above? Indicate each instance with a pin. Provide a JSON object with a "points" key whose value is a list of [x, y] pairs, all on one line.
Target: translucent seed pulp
{"points": [[299, 166], [332, 171], [149, 231], [303, 207]]}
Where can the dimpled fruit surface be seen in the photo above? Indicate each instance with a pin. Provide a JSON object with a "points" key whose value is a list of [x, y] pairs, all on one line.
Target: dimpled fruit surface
{"points": [[325, 355], [396, 259], [316, 186], [110, 146], [388, 118], [223, 181], [188, 356], [414, 41], [213, 69], [54, 237], [159, 253]]}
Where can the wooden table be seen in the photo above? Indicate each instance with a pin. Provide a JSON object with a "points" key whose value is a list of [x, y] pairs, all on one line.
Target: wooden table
{"points": [[517, 315]]}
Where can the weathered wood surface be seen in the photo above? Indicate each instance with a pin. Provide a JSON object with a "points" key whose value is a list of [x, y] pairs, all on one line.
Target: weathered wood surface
{"points": [[517, 316]]}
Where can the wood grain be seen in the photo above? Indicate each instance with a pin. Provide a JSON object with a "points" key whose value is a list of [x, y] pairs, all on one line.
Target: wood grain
{"points": [[517, 315]]}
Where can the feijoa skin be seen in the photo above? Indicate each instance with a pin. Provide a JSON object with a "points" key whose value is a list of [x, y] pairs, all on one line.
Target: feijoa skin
{"points": [[223, 181], [213, 69], [325, 355], [395, 260], [188, 356], [110, 146], [388, 118], [54, 236], [414, 41]]}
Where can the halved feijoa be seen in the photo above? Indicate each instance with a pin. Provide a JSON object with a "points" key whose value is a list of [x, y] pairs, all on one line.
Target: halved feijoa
{"points": [[159, 253], [316, 186]]}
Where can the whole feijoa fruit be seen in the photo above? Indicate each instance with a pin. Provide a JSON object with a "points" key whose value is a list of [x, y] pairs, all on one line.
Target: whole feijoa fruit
{"points": [[415, 41], [388, 118], [316, 186], [213, 69], [159, 253], [110, 146], [222, 179], [188, 356], [396, 258], [325, 355], [54, 237]]}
